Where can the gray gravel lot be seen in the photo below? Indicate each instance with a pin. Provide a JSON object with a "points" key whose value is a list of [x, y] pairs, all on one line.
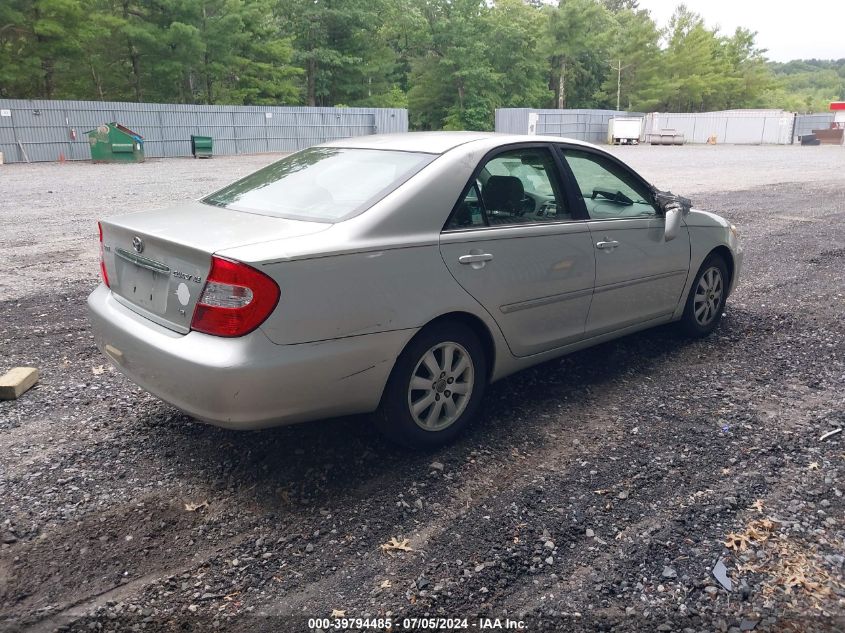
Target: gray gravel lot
{"points": [[595, 492]]}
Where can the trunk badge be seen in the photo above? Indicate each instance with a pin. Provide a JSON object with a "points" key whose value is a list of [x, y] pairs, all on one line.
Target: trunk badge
{"points": [[138, 244]]}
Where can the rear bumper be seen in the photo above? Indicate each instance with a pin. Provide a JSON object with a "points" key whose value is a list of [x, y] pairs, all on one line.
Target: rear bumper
{"points": [[247, 382]]}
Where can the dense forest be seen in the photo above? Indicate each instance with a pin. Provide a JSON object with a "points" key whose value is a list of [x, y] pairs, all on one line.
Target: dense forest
{"points": [[450, 62]]}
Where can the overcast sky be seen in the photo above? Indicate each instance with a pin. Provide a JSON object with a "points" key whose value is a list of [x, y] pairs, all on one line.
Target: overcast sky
{"points": [[800, 30]]}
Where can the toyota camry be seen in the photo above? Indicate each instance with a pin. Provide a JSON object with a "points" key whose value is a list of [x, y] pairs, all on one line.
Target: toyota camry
{"points": [[399, 275]]}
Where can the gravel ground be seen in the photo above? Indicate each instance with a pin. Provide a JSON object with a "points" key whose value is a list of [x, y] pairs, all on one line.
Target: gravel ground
{"points": [[596, 492]]}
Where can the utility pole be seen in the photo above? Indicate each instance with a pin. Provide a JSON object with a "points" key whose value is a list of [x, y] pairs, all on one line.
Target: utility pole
{"points": [[618, 67]]}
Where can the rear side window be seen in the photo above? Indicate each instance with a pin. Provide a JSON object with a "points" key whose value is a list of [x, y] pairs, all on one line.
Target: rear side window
{"points": [[323, 184], [513, 188]]}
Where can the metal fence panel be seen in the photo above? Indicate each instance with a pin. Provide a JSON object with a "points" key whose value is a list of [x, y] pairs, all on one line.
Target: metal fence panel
{"points": [[511, 120], [730, 126], [737, 127], [804, 123], [44, 129], [583, 125]]}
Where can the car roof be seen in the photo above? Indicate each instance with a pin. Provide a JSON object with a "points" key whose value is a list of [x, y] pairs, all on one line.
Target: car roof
{"points": [[440, 142]]}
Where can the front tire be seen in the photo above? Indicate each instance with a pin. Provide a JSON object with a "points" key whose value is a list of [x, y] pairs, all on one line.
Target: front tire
{"points": [[706, 300], [435, 388]]}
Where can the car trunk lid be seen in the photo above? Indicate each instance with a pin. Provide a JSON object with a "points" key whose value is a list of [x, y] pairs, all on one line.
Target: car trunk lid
{"points": [[157, 261]]}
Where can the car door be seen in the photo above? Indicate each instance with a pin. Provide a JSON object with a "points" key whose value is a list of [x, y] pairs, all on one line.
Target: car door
{"points": [[639, 275], [515, 243]]}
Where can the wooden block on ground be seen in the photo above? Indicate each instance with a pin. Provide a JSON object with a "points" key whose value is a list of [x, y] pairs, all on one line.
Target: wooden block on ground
{"points": [[16, 381]]}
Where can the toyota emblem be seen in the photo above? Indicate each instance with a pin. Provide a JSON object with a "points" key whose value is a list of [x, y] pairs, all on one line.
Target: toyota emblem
{"points": [[138, 244]]}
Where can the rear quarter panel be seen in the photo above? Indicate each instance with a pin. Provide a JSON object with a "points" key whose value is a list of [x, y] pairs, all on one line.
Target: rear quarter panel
{"points": [[362, 293]]}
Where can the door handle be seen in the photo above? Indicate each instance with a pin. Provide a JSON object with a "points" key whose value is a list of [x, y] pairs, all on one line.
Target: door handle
{"points": [[473, 259], [606, 246]]}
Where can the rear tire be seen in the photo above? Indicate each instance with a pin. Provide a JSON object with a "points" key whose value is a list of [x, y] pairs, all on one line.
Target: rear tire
{"points": [[435, 388], [706, 299]]}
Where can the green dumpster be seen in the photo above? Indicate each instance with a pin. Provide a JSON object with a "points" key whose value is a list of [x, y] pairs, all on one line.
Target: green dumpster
{"points": [[115, 143], [201, 146]]}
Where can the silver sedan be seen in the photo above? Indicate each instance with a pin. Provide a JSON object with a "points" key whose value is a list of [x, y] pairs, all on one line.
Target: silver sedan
{"points": [[399, 275]]}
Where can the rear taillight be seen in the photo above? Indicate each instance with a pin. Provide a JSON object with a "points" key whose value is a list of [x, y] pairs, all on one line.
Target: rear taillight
{"points": [[236, 299], [103, 272]]}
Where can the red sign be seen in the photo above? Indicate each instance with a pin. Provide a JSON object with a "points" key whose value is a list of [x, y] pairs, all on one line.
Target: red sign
{"points": [[837, 105]]}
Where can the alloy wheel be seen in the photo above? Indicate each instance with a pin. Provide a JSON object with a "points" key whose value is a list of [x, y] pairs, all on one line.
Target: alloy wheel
{"points": [[441, 386], [708, 296]]}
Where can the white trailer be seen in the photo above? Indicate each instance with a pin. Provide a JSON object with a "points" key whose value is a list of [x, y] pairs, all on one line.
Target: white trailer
{"points": [[624, 130]]}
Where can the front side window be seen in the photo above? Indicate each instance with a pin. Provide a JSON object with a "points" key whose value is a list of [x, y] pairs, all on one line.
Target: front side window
{"points": [[514, 187], [324, 184], [609, 191]]}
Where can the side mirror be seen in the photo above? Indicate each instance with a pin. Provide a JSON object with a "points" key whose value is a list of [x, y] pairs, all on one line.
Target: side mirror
{"points": [[668, 200], [674, 208], [673, 224]]}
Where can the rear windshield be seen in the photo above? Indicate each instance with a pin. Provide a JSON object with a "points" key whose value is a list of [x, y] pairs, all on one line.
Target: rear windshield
{"points": [[324, 184]]}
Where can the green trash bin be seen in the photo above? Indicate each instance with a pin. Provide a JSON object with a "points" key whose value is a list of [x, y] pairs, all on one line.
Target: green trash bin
{"points": [[201, 146], [115, 143]]}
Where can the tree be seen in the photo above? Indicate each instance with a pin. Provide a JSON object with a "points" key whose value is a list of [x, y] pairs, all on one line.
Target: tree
{"points": [[36, 36], [696, 74], [805, 85], [635, 49], [514, 31], [193, 51], [451, 62], [330, 39], [576, 44], [454, 85], [617, 6], [245, 58], [18, 71], [750, 76]]}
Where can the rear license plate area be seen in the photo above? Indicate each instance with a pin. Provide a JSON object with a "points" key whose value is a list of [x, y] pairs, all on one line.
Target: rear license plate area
{"points": [[145, 283], [147, 289]]}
